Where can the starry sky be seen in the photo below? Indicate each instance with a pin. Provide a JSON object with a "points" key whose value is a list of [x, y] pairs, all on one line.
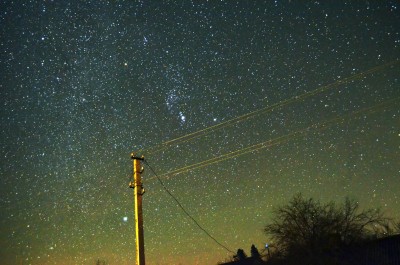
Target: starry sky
{"points": [[84, 83]]}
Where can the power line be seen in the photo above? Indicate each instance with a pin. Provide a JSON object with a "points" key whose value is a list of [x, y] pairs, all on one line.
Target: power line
{"points": [[249, 115], [185, 211], [275, 141]]}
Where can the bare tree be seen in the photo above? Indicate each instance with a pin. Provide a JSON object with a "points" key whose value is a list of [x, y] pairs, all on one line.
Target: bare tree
{"points": [[310, 229]]}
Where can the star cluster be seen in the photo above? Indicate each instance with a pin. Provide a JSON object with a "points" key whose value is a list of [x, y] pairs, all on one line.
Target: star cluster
{"points": [[84, 83]]}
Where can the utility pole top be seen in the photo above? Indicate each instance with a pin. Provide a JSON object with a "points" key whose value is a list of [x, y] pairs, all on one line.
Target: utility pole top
{"points": [[133, 156]]}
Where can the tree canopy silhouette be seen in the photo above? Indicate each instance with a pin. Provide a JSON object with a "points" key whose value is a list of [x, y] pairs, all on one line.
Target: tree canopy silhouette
{"points": [[254, 252], [316, 232], [242, 258], [240, 255]]}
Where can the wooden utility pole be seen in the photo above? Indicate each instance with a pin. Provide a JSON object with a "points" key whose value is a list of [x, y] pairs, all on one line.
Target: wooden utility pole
{"points": [[138, 192]]}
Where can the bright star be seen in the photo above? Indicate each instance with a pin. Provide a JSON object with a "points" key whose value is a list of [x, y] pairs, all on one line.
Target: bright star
{"points": [[182, 117]]}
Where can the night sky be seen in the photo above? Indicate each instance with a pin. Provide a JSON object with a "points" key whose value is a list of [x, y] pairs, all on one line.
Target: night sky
{"points": [[84, 83]]}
